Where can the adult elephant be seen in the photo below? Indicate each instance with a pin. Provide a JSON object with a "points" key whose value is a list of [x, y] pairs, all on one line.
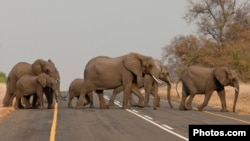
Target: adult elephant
{"points": [[200, 80], [75, 91], [103, 72], [31, 84], [23, 68], [150, 87]]}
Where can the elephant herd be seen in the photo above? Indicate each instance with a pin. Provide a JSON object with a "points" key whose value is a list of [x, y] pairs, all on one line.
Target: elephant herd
{"points": [[128, 74]]}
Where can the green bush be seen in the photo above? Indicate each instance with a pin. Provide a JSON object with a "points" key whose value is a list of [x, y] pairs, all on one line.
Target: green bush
{"points": [[2, 77]]}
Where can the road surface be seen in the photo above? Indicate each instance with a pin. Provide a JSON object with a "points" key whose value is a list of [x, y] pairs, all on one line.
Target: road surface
{"points": [[135, 124]]}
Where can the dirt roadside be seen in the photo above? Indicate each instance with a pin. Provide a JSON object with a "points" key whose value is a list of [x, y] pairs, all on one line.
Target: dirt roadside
{"points": [[3, 110]]}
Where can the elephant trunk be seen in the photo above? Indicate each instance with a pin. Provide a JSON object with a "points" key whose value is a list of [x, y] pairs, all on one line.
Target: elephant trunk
{"points": [[56, 94], [168, 94], [236, 86]]}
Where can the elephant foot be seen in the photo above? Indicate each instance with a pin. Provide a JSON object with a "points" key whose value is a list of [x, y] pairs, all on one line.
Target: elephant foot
{"points": [[189, 107], [183, 109], [28, 107], [50, 107], [158, 105], [70, 106], [111, 104], [199, 108], [41, 107], [140, 106], [104, 107], [224, 110], [34, 107], [147, 105], [91, 106], [126, 107], [79, 107]]}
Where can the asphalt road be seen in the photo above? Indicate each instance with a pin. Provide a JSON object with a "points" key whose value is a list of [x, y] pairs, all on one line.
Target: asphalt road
{"points": [[136, 124]]}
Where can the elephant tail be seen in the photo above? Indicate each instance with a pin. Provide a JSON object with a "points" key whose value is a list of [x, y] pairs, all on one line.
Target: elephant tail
{"points": [[176, 87]]}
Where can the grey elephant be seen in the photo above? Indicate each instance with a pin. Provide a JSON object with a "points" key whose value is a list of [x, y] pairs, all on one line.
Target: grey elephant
{"points": [[200, 80], [150, 86], [23, 68], [32, 84], [75, 91], [103, 72]]}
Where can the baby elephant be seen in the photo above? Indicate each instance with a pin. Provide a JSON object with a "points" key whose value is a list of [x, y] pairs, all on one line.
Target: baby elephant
{"points": [[75, 91], [30, 84]]}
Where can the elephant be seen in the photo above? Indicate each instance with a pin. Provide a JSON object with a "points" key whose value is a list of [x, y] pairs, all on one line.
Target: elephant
{"points": [[31, 84], [37, 67], [150, 87], [202, 80], [103, 72], [75, 91]]}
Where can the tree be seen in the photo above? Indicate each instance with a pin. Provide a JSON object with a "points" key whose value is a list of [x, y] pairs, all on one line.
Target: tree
{"points": [[213, 17], [223, 39]]}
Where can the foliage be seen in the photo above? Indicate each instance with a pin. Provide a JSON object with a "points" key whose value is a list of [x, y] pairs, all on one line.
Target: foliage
{"points": [[2, 77], [223, 39]]}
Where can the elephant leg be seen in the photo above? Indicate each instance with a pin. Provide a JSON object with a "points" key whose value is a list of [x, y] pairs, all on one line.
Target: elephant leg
{"points": [[168, 94], [115, 93], [158, 99], [89, 98], [34, 101], [189, 102], [183, 100], [147, 94], [156, 96], [17, 103], [222, 96], [103, 104], [137, 92], [71, 97], [26, 101], [206, 100], [49, 96], [40, 97], [80, 100], [132, 101], [10, 102], [126, 96]]}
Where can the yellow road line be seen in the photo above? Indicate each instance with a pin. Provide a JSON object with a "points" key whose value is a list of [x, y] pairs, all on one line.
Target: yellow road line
{"points": [[243, 121], [53, 127], [227, 117]]}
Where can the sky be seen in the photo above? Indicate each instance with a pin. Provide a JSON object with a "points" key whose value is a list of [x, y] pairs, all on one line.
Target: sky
{"points": [[71, 32]]}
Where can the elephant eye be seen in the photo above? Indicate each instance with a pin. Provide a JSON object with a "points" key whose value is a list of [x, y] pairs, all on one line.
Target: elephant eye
{"points": [[47, 71]]}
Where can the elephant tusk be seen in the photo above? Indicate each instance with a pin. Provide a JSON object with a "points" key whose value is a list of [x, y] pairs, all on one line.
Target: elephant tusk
{"points": [[157, 80]]}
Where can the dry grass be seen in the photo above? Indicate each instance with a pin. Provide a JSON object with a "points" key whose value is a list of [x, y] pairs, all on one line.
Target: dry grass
{"points": [[243, 103], [3, 110]]}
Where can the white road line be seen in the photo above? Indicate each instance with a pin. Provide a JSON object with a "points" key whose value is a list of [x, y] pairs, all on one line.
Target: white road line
{"points": [[164, 127], [167, 126], [135, 111], [158, 125], [148, 117]]}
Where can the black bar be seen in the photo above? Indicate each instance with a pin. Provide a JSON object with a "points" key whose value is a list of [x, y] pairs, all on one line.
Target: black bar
{"points": [[199, 132]]}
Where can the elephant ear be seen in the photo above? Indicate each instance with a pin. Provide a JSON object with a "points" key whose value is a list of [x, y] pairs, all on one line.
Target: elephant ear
{"points": [[37, 66], [221, 74], [42, 79], [133, 63]]}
